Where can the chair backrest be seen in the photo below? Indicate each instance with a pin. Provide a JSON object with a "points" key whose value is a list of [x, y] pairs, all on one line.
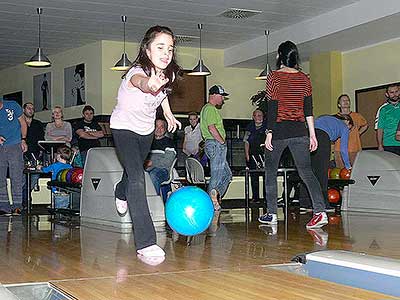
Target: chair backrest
{"points": [[194, 171], [172, 173]]}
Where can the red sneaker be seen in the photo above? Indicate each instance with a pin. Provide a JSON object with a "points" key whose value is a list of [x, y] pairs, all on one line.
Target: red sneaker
{"points": [[318, 220]]}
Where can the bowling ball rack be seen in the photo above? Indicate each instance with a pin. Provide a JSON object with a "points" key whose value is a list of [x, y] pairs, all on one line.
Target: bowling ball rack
{"points": [[67, 187]]}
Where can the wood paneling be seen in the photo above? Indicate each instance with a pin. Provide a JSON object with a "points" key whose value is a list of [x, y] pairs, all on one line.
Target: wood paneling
{"points": [[367, 104]]}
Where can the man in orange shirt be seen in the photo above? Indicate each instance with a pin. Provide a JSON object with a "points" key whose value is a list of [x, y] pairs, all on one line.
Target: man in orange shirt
{"points": [[360, 126]]}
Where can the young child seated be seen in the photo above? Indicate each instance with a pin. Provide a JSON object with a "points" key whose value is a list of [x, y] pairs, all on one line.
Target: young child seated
{"points": [[63, 157]]}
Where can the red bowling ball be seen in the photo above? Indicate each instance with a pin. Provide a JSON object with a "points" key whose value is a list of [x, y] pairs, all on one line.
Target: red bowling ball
{"points": [[345, 173], [77, 175], [333, 196]]}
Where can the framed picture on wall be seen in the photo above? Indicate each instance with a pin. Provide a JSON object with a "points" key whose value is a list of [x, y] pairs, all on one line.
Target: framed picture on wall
{"points": [[17, 97], [74, 85], [42, 91]]}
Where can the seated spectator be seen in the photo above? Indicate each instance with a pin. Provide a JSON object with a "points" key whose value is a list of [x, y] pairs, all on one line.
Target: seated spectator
{"points": [[63, 157], [201, 155], [160, 159], [58, 130], [89, 132]]}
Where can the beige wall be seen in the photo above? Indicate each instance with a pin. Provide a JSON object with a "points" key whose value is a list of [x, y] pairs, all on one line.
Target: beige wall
{"points": [[326, 78], [111, 53], [372, 66], [20, 78]]}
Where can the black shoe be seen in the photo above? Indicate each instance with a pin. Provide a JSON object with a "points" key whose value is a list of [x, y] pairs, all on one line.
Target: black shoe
{"points": [[5, 213], [255, 201]]}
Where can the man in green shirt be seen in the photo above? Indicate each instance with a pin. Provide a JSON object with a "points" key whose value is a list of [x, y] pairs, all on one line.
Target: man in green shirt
{"points": [[212, 130], [388, 120]]}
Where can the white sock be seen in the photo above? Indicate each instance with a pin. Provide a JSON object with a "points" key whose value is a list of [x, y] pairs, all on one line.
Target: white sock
{"points": [[151, 251]]}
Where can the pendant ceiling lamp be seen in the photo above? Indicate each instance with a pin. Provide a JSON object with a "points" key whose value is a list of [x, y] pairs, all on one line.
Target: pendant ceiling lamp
{"points": [[200, 69], [264, 74], [124, 63], [39, 60]]}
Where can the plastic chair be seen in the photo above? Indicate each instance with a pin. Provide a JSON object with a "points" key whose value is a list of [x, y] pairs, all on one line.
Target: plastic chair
{"points": [[195, 172], [173, 178]]}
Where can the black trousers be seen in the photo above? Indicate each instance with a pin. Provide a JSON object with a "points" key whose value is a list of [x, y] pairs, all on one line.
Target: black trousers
{"points": [[393, 149], [299, 147], [132, 149], [319, 163], [255, 177]]}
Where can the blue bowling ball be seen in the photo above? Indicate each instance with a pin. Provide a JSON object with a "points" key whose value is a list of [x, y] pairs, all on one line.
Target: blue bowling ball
{"points": [[189, 210]]}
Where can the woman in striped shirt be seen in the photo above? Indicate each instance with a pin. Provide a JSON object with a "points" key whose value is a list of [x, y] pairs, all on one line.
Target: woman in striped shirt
{"points": [[289, 96]]}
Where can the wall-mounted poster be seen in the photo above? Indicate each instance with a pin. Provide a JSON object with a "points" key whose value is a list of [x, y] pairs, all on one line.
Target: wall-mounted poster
{"points": [[17, 97], [42, 91], [74, 85]]}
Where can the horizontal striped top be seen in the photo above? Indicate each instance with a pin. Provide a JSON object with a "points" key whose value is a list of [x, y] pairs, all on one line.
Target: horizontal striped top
{"points": [[289, 89]]}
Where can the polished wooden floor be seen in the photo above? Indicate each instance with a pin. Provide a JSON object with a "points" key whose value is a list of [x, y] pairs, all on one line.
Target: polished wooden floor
{"points": [[226, 262]]}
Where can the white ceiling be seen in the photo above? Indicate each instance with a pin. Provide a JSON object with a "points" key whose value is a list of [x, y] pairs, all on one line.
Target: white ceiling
{"points": [[69, 24]]}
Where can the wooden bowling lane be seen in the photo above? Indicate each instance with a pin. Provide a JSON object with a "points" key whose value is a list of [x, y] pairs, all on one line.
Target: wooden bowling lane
{"points": [[247, 283], [93, 263]]}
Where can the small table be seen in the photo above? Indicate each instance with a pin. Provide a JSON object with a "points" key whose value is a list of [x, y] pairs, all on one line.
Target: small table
{"points": [[28, 172], [281, 171]]}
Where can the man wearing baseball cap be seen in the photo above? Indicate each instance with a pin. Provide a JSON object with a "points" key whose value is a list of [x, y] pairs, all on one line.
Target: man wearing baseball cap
{"points": [[212, 130]]}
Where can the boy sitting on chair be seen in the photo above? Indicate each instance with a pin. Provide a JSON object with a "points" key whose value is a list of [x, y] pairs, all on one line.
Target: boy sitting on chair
{"points": [[63, 157]]}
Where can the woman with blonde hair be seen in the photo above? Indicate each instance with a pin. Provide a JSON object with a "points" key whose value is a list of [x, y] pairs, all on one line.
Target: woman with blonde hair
{"points": [[58, 130]]}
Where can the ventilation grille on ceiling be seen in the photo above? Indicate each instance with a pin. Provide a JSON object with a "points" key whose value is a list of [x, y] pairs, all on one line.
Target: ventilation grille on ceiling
{"points": [[185, 39], [239, 13]]}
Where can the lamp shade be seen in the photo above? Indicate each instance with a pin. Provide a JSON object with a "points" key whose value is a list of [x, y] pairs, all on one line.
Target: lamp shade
{"points": [[39, 60], [200, 70], [123, 64], [264, 74]]}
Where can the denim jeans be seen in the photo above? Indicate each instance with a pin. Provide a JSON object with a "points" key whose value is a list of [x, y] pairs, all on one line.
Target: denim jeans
{"points": [[11, 159], [61, 200], [158, 176], [220, 172], [132, 150], [299, 147]]}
